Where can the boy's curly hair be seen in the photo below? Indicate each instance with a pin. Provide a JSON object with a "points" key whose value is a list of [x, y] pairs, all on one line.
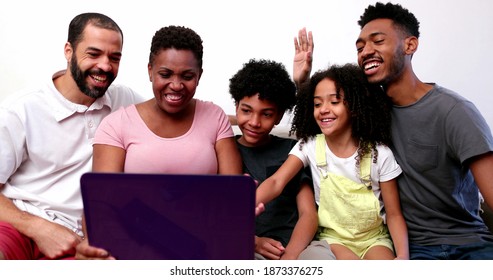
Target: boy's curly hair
{"points": [[401, 17], [267, 78], [369, 107], [176, 37]]}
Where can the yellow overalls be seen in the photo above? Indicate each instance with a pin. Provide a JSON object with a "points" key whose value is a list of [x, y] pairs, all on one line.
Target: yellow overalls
{"points": [[349, 212]]}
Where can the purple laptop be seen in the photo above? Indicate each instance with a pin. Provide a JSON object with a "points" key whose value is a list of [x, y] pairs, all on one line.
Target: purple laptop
{"points": [[174, 217]]}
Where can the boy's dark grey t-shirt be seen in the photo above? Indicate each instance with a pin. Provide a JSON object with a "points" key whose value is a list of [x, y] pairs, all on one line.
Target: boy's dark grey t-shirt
{"points": [[281, 214]]}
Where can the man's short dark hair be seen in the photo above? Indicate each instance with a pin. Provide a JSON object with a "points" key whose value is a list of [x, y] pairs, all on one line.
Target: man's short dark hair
{"points": [[401, 17], [79, 23]]}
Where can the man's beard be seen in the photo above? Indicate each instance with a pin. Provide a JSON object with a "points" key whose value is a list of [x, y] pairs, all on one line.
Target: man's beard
{"points": [[80, 80], [395, 70]]}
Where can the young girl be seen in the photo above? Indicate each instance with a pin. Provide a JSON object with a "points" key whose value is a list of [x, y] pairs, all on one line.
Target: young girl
{"points": [[343, 129]]}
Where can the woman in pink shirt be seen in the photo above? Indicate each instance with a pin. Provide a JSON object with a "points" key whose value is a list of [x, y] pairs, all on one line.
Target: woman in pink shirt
{"points": [[172, 132]]}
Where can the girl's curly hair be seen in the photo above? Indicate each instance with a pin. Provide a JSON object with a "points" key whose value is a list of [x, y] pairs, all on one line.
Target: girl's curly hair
{"points": [[369, 107]]}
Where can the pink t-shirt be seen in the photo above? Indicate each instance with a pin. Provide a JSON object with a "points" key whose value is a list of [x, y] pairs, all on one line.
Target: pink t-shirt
{"points": [[192, 153]]}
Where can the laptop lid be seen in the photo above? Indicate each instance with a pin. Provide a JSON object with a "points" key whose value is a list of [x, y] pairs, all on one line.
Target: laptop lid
{"points": [[167, 216]]}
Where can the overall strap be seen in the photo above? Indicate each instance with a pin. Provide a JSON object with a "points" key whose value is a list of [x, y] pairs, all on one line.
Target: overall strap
{"points": [[320, 154], [365, 169]]}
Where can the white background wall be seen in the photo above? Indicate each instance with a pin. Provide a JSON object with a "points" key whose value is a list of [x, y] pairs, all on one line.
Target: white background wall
{"points": [[455, 45]]}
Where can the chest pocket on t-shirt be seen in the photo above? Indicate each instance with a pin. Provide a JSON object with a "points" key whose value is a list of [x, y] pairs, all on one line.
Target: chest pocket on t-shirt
{"points": [[421, 157]]}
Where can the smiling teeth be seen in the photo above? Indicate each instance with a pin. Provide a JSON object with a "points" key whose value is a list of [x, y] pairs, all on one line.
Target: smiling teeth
{"points": [[99, 78], [371, 65], [173, 97]]}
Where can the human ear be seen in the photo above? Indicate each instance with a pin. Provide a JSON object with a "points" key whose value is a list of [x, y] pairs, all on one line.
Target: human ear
{"points": [[68, 51], [149, 71], [200, 76], [411, 45]]}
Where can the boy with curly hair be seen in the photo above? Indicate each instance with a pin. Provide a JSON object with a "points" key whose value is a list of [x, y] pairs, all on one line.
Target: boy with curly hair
{"points": [[263, 92]]}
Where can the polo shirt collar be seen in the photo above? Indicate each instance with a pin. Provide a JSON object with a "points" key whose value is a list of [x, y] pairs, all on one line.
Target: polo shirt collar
{"points": [[64, 108]]}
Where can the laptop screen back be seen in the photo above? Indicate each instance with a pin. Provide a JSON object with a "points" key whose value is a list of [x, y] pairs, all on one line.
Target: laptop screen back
{"points": [[165, 216]]}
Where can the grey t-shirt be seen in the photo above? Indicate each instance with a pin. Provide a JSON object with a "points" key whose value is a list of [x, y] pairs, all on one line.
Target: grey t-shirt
{"points": [[432, 139]]}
